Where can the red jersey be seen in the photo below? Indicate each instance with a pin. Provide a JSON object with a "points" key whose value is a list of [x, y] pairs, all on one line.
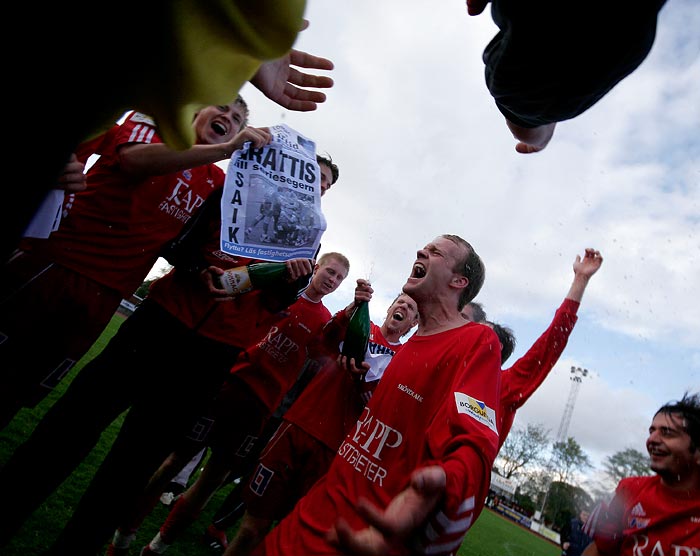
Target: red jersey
{"points": [[435, 405], [112, 231], [271, 366], [646, 518], [521, 380], [332, 401]]}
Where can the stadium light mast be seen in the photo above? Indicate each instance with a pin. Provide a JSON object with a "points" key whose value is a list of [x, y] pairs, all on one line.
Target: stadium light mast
{"points": [[576, 377]]}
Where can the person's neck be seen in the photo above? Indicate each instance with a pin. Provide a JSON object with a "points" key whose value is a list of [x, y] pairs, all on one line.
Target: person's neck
{"points": [[682, 483], [391, 336], [438, 316], [312, 295]]}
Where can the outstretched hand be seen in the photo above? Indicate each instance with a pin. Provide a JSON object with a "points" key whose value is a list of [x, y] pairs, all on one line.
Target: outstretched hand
{"points": [[399, 523], [287, 86], [589, 264]]}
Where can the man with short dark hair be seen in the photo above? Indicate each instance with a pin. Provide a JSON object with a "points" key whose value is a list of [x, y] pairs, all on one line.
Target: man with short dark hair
{"points": [[657, 514]]}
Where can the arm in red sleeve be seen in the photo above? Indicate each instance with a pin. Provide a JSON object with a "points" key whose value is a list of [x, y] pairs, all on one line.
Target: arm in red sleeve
{"points": [[521, 380]]}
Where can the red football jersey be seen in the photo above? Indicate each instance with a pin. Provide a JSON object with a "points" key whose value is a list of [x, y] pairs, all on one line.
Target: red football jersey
{"points": [[646, 518], [333, 400], [271, 366], [435, 405], [113, 231]]}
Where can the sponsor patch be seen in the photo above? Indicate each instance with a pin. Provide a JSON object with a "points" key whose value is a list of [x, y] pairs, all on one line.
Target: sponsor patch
{"points": [[638, 522], [476, 409], [142, 118]]}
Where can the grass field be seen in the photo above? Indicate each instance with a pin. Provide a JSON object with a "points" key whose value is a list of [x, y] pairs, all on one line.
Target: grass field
{"points": [[491, 535]]}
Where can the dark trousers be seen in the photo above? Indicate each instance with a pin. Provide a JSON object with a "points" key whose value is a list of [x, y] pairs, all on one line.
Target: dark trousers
{"points": [[166, 374]]}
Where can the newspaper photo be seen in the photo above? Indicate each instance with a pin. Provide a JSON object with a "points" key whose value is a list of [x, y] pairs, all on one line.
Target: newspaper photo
{"points": [[271, 204]]}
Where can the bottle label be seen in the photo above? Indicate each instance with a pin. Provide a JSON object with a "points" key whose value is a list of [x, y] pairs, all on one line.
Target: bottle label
{"points": [[236, 281]]}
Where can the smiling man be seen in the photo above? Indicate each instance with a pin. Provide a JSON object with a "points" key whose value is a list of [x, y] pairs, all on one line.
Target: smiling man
{"points": [[657, 515], [416, 465]]}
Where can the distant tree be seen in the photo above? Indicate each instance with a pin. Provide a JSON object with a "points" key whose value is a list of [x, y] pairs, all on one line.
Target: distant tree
{"points": [[156, 273], [626, 463], [564, 502], [142, 291], [525, 501], [534, 485], [568, 457], [522, 448]]}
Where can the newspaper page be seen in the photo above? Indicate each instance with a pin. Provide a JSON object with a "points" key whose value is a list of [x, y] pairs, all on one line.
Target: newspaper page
{"points": [[271, 204]]}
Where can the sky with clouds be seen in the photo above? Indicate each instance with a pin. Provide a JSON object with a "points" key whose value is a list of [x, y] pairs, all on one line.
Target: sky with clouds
{"points": [[422, 150]]}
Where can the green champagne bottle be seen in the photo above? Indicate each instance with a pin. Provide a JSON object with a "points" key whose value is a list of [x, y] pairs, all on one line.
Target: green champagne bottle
{"points": [[242, 279], [357, 333]]}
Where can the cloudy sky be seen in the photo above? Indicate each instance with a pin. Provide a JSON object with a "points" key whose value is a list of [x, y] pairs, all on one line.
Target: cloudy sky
{"points": [[422, 151]]}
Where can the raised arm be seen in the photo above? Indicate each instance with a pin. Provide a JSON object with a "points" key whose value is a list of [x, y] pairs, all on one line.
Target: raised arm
{"points": [[584, 268]]}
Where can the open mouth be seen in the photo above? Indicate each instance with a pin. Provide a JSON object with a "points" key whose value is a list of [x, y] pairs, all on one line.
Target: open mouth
{"points": [[418, 271], [397, 315], [219, 128]]}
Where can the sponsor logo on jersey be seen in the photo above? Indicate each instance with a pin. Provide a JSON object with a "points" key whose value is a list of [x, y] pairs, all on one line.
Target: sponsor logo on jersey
{"points": [[410, 392], [638, 510], [142, 118], [638, 522], [476, 409]]}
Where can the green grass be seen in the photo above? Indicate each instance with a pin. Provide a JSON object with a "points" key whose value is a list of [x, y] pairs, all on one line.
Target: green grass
{"points": [[491, 535], [495, 535]]}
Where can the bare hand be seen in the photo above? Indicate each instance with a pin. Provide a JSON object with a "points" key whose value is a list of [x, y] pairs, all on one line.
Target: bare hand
{"points": [[296, 268], [258, 137], [399, 523], [73, 177], [209, 277], [287, 86], [363, 291], [589, 264], [349, 364], [531, 139]]}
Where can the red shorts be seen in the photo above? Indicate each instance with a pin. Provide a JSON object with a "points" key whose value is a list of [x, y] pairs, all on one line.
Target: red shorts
{"points": [[288, 466]]}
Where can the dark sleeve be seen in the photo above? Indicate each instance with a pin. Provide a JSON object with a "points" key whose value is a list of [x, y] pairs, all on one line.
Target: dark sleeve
{"points": [[282, 296], [551, 61], [565, 534], [186, 252]]}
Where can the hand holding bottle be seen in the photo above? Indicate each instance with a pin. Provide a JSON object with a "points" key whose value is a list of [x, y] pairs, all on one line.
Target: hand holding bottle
{"points": [[363, 293], [357, 372], [357, 334], [228, 284], [211, 276]]}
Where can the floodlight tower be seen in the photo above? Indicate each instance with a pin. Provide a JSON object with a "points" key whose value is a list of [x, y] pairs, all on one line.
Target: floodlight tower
{"points": [[577, 376]]}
